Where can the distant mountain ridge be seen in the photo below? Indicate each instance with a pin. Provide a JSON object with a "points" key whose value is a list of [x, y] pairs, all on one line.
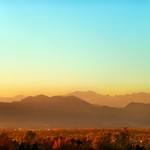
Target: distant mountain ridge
{"points": [[112, 101], [11, 99], [71, 112], [98, 99]]}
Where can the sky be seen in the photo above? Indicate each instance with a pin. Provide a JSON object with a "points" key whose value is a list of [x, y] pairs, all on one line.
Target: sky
{"points": [[56, 47]]}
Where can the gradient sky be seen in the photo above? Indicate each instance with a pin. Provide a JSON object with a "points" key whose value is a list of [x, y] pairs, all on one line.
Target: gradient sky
{"points": [[55, 47]]}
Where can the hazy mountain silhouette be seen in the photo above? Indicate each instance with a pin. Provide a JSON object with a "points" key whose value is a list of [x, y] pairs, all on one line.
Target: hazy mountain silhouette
{"points": [[71, 112], [112, 101], [11, 99]]}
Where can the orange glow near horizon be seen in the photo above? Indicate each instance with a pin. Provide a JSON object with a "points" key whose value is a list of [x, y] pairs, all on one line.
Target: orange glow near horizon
{"points": [[9, 92]]}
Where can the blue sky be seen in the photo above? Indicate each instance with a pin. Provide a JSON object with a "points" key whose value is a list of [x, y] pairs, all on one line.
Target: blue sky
{"points": [[56, 47]]}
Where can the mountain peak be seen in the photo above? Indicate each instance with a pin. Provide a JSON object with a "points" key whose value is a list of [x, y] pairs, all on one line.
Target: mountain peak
{"points": [[42, 96], [112, 101], [91, 92], [37, 98], [83, 92], [136, 105]]}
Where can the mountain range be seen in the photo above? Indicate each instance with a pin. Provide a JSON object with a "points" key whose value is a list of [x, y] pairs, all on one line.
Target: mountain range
{"points": [[98, 99], [70, 112], [111, 101]]}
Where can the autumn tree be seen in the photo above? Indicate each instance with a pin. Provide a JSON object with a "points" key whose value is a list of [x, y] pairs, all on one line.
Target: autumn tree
{"points": [[102, 142], [62, 144], [29, 136], [123, 140], [5, 142]]}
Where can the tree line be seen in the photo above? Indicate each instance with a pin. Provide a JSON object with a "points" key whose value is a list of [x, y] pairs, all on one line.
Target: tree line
{"points": [[75, 139]]}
